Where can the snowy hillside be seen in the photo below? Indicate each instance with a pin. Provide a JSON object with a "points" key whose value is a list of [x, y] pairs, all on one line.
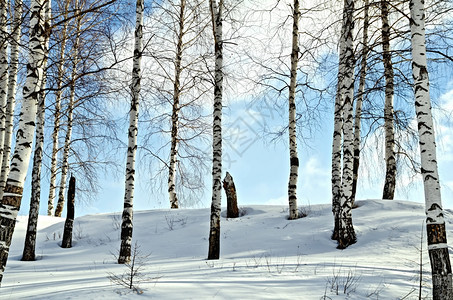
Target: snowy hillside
{"points": [[263, 256]]}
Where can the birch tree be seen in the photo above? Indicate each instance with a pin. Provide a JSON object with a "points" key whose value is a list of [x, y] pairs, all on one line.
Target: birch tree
{"points": [[63, 37], [181, 83], [175, 110], [14, 41], [127, 225], [3, 72], [84, 92], [344, 231], [69, 112], [293, 156], [32, 224], [359, 99], [12, 196], [435, 223], [338, 134], [390, 156], [214, 233]]}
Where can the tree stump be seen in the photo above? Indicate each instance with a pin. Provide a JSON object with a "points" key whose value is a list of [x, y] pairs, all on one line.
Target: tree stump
{"points": [[232, 201], [69, 223]]}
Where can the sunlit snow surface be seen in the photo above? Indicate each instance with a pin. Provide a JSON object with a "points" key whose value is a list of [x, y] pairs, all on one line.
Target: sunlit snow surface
{"points": [[263, 256]]}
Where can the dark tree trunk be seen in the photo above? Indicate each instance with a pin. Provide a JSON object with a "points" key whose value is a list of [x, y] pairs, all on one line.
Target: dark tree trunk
{"points": [[68, 225], [232, 200]]}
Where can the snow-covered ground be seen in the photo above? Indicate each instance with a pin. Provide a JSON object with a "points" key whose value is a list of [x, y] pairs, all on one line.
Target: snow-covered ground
{"points": [[263, 256]]}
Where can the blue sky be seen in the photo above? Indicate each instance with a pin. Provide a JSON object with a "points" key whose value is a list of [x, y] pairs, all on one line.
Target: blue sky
{"points": [[260, 168]]}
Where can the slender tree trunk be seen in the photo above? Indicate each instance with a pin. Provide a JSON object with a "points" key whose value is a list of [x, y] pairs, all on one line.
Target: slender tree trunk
{"points": [[346, 233], [214, 234], [359, 101], [12, 196], [390, 160], [30, 237], [232, 199], [293, 157], [69, 223], [338, 135], [336, 159], [175, 112], [32, 225], [70, 113], [127, 225], [11, 98], [66, 149], [3, 73], [57, 113], [435, 223]]}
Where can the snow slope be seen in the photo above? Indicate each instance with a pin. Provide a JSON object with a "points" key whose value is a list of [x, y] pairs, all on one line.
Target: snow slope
{"points": [[263, 256]]}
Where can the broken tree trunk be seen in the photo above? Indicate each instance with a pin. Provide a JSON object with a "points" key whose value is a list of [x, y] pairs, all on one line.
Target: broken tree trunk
{"points": [[232, 200], [69, 224]]}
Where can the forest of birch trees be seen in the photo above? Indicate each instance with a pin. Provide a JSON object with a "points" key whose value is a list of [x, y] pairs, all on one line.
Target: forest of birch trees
{"points": [[74, 75]]}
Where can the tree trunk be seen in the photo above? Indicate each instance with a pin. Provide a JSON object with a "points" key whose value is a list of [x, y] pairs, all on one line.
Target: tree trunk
{"points": [[68, 225], [57, 113], [11, 98], [214, 233], [293, 157], [66, 149], [127, 225], [70, 113], [336, 158], [359, 101], [175, 112], [338, 136], [232, 200], [435, 223], [346, 234], [3, 73], [390, 160], [32, 225], [13, 192], [30, 237]]}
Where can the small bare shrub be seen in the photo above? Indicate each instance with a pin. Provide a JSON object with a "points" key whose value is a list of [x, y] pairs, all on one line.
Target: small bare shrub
{"points": [[133, 276]]}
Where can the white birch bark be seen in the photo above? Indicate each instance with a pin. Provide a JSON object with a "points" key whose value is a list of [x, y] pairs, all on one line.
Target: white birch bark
{"points": [[175, 110], [57, 113], [214, 234], [127, 225], [12, 196], [346, 235], [435, 223], [70, 117], [336, 161], [338, 136], [390, 160], [359, 100], [3, 73], [32, 224], [66, 150], [11, 97], [293, 156]]}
